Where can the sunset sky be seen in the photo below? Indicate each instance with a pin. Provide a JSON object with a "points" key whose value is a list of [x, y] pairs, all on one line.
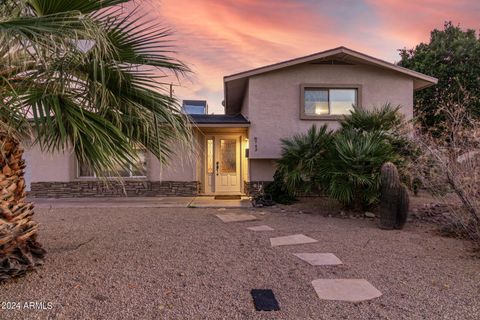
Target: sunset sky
{"points": [[221, 37]]}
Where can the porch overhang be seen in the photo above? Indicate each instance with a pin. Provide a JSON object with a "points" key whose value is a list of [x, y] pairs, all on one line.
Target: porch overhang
{"points": [[220, 120]]}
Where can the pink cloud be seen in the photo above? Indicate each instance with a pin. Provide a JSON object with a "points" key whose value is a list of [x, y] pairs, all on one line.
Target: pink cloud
{"points": [[221, 37], [411, 21]]}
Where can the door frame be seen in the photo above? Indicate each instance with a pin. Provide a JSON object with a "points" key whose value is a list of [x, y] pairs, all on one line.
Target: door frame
{"points": [[210, 188]]}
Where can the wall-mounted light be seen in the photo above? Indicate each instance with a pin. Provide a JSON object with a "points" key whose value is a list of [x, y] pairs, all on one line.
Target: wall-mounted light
{"points": [[255, 142]]}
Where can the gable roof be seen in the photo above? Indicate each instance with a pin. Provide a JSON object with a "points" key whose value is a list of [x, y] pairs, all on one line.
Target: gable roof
{"points": [[235, 84]]}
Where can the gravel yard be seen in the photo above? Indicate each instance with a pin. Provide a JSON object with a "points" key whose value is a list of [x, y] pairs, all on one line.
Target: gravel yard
{"points": [[185, 263]]}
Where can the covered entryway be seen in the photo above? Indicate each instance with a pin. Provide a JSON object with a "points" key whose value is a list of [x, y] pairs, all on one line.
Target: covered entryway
{"points": [[223, 160]]}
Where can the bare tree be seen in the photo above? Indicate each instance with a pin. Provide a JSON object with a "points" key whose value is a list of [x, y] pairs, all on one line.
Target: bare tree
{"points": [[450, 163]]}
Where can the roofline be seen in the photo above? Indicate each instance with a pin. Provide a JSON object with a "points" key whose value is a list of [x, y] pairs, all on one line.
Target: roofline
{"points": [[323, 54], [222, 125]]}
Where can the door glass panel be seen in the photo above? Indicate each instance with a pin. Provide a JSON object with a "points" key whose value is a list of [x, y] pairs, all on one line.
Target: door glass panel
{"points": [[228, 156], [210, 156]]}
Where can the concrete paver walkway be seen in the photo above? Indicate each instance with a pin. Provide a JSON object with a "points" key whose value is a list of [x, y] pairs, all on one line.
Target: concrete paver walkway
{"points": [[260, 228], [352, 290], [235, 217], [319, 259], [291, 240], [140, 202]]}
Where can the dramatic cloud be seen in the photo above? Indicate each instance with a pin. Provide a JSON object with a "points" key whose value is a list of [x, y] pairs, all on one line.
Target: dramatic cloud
{"points": [[221, 37]]}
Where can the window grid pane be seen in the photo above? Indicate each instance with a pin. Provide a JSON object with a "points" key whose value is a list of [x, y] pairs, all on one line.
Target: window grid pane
{"points": [[325, 101], [140, 170], [316, 101], [342, 101]]}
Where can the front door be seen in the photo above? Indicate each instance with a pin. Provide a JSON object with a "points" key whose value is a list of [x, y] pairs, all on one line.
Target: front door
{"points": [[227, 164]]}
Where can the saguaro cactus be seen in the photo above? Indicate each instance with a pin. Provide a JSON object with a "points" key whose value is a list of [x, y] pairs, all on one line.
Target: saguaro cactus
{"points": [[394, 199]]}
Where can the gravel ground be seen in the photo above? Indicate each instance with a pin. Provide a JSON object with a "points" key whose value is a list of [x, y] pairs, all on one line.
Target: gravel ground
{"points": [[184, 263]]}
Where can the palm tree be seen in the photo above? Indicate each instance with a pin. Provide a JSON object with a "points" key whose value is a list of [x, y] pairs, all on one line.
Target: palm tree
{"points": [[81, 74]]}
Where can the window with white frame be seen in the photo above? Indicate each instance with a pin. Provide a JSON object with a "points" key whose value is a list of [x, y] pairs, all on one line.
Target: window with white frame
{"points": [[139, 170]]}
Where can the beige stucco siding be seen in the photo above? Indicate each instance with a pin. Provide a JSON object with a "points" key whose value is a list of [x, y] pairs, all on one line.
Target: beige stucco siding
{"points": [[181, 167], [41, 166], [62, 167], [274, 101], [261, 169]]}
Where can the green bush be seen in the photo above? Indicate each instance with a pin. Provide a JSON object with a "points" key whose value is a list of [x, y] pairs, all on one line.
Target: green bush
{"points": [[346, 164], [301, 156], [351, 173], [279, 191]]}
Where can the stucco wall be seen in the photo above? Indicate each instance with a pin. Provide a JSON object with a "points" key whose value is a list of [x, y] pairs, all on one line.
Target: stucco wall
{"points": [[182, 167], [62, 167], [261, 169], [274, 101], [42, 166]]}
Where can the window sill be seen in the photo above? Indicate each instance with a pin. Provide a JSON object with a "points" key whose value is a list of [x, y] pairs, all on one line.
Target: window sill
{"points": [[323, 118]]}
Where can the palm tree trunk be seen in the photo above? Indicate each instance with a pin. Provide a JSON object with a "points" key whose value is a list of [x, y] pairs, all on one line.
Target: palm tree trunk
{"points": [[19, 250]]}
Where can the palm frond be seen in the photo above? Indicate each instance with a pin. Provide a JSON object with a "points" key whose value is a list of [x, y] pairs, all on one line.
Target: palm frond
{"points": [[90, 76]]}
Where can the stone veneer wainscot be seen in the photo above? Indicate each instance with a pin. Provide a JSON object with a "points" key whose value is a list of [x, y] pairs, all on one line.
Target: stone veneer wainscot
{"points": [[78, 189]]}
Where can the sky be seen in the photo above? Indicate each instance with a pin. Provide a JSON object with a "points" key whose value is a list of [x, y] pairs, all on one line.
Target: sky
{"points": [[216, 38]]}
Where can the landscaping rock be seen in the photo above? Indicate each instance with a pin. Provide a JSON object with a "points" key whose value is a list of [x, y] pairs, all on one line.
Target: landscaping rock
{"points": [[369, 214]]}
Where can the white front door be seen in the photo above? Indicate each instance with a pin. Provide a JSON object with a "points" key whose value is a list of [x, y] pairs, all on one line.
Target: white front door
{"points": [[227, 164]]}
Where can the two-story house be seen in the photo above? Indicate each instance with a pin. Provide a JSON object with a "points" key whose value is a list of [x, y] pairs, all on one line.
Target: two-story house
{"points": [[238, 150]]}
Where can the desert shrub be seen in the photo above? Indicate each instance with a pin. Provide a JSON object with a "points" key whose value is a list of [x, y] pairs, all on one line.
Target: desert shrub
{"points": [[450, 163], [386, 119], [301, 156], [279, 191], [346, 164], [351, 173]]}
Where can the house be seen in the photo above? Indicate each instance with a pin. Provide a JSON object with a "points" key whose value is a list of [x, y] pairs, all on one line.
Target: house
{"points": [[237, 150]]}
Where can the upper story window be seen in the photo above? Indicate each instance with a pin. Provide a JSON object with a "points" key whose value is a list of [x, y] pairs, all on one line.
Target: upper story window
{"points": [[195, 106], [137, 171], [328, 101]]}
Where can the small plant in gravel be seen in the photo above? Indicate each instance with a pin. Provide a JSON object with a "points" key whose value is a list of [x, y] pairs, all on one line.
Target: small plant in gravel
{"points": [[279, 191]]}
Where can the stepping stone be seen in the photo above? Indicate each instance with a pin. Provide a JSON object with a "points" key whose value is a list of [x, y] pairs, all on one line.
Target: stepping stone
{"points": [[351, 290], [319, 259], [290, 240], [260, 228], [235, 217]]}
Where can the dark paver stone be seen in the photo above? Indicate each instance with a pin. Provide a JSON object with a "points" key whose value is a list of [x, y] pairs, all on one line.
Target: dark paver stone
{"points": [[264, 300]]}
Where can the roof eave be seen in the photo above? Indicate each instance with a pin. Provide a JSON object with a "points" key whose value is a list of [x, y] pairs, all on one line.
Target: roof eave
{"points": [[222, 125], [359, 55]]}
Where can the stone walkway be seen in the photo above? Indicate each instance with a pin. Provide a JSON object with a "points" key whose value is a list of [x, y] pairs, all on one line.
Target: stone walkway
{"points": [[350, 290], [319, 259], [140, 202]]}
